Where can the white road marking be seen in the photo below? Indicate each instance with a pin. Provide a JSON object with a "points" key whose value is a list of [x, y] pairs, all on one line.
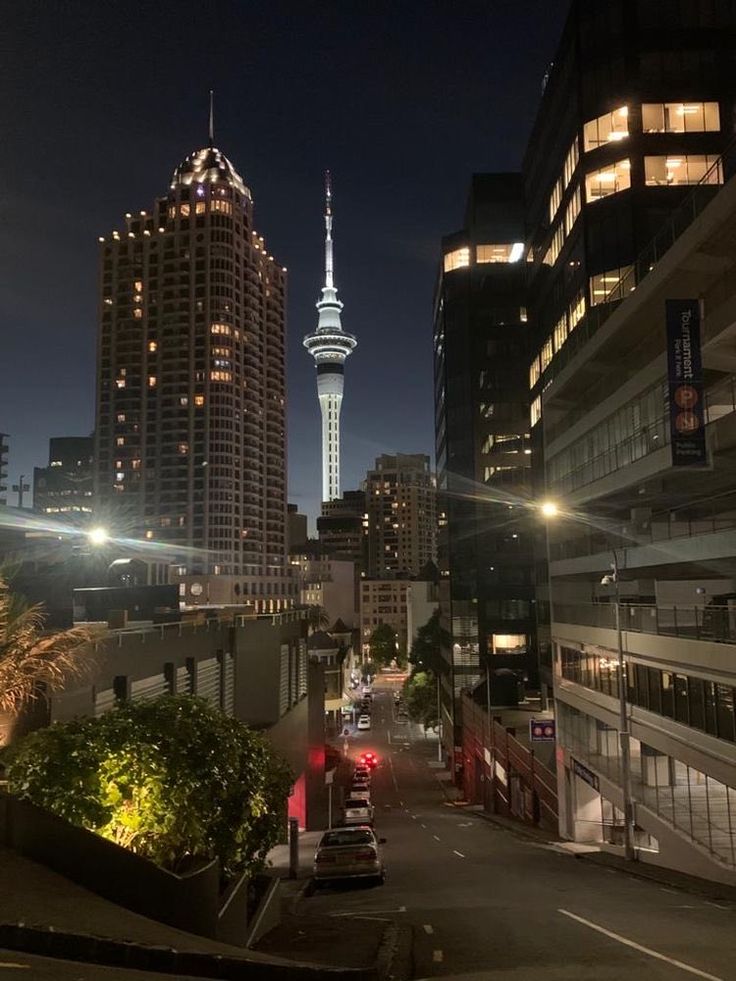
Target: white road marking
{"points": [[438, 956], [460, 854], [424, 826], [413, 817], [428, 929], [370, 912], [435, 837], [17, 967], [644, 950], [717, 905]]}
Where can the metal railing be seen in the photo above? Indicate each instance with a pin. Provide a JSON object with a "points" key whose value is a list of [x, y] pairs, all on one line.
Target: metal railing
{"points": [[716, 624]]}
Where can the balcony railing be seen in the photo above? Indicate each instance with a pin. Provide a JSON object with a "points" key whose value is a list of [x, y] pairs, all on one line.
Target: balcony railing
{"points": [[716, 624]]}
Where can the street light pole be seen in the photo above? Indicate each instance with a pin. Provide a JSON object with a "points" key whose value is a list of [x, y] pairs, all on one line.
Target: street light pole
{"points": [[624, 735]]}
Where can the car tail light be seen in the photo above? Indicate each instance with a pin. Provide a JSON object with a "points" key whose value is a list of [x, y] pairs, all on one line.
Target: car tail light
{"points": [[324, 859]]}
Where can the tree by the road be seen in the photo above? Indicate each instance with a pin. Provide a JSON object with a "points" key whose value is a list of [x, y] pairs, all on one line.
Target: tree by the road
{"points": [[383, 644], [420, 698], [426, 651]]}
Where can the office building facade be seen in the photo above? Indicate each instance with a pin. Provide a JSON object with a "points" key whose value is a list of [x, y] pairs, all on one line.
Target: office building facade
{"points": [[64, 487], [483, 443], [190, 436], [3, 468]]}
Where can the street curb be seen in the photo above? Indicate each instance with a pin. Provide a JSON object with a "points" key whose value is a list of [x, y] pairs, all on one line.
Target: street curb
{"points": [[87, 949], [691, 884]]}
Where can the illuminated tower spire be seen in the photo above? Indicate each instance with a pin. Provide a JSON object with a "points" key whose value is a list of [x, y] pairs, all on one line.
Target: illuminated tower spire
{"points": [[329, 345]]}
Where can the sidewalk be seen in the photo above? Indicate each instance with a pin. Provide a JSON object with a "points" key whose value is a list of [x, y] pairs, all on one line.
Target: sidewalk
{"points": [[705, 888]]}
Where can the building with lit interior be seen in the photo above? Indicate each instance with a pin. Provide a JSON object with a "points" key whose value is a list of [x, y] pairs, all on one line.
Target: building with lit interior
{"points": [[64, 487], [330, 345], [482, 443], [401, 515], [190, 436]]}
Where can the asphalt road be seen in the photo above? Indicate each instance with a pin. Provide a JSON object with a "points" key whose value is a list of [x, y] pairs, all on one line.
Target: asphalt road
{"points": [[485, 902]]}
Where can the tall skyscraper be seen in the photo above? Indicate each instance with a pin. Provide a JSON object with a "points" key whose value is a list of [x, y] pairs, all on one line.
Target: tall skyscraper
{"points": [[190, 435], [329, 345], [3, 467], [483, 443], [401, 504]]}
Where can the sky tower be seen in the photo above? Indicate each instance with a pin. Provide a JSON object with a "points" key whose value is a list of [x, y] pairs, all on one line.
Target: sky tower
{"points": [[329, 345]]}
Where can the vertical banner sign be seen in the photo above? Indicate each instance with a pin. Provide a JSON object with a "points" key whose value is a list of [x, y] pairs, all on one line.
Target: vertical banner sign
{"points": [[685, 377]]}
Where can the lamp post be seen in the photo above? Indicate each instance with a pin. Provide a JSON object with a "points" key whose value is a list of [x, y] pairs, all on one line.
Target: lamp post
{"points": [[624, 734], [550, 510]]}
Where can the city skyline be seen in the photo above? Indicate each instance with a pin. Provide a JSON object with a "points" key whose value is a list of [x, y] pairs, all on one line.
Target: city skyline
{"points": [[399, 182]]}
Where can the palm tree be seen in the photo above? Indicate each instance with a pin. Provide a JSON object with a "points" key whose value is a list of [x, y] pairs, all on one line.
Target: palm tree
{"points": [[34, 663], [317, 618]]}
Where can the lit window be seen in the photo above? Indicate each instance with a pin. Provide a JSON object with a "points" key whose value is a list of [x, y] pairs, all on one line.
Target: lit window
{"points": [[183, 449], [509, 643], [571, 161], [572, 211], [559, 335], [137, 313], [576, 312], [457, 259], [608, 180], [553, 252], [611, 285], [152, 347], [184, 400], [522, 315], [555, 199], [534, 372], [511, 252], [151, 381], [108, 301], [138, 286], [199, 400], [135, 464], [184, 209], [120, 440], [120, 418], [225, 207], [220, 329], [120, 382], [546, 353], [201, 207], [689, 169], [680, 117], [606, 128], [535, 410], [149, 534], [119, 476], [221, 376]]}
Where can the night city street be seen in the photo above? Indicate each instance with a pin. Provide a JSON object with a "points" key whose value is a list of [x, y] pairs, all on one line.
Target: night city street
{"points": [[488, 903]]}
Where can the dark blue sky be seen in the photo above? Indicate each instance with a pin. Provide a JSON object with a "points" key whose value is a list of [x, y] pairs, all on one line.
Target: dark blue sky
{"points": [[402, 101]]}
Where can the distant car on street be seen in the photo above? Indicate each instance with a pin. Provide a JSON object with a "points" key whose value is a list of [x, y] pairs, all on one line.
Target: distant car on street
{"points": [[349, 853], [357, 811], [359, 793], [367, 691], [364, 722]]}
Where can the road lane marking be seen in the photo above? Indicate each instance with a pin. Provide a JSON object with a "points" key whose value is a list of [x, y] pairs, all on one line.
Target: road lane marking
{"points": [[717, 905], [458, 853], [17, 967], [438, 956], [644, 950], [424, 826], [428, 929], [435, 837]]}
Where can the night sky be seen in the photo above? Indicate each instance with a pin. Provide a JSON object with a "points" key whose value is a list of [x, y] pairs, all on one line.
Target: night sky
{"points": [[403, 101]]}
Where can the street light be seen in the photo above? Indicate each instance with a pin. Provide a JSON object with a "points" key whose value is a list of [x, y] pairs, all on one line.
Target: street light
{"points": [[550, 510], [98, 535], [624, 735]]}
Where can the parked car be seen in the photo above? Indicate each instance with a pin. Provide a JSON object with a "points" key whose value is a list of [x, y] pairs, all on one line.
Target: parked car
{"points": [[368, 759], [359, 793], [364, 722], [402, 718], [357, 811], [349, 853], [361, 770]]}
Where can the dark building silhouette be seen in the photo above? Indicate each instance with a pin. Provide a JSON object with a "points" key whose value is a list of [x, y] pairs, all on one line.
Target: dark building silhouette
{"points": [[64, 488], [482, 441]]}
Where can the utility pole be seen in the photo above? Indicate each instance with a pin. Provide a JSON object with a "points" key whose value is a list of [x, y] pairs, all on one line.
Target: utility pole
{"points": [[20, 488], [624, 734]]}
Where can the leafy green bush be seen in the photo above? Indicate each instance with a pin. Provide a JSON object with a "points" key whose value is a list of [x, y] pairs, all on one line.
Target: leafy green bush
{"points": [[171, 779], [420, 698]]}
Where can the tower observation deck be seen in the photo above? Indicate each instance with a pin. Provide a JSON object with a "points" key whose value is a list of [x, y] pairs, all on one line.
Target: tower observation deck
{"points": [[329, 345]]}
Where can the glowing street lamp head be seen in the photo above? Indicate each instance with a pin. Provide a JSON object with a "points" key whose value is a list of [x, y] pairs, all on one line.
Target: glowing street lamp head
{"points": [[98, 535], [549, 509]]}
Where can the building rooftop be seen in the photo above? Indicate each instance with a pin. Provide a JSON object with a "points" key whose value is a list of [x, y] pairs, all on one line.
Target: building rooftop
{"points": [[208, 164]]}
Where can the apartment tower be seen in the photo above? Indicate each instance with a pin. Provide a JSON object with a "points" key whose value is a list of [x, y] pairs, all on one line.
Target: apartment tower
{"points": [[190, 435]]}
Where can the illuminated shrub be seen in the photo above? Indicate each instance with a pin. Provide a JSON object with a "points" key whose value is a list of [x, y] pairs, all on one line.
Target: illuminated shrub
{"points": [[172, 779]]}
